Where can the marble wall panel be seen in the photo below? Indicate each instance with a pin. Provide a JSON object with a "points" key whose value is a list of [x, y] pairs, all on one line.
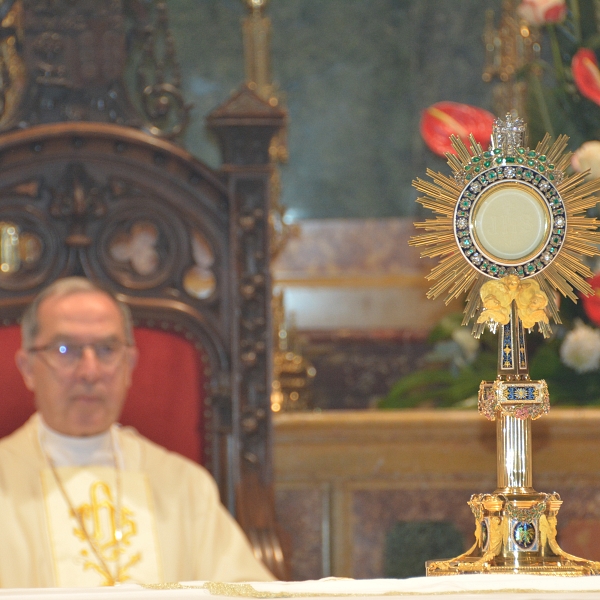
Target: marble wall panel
{"points": [[579, 521], [356, 371], [355, 76], [300, 516], [376, 511], [350, 248]]}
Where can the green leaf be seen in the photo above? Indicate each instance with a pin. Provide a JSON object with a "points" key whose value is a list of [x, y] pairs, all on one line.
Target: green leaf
{"points": [[416, 388]]}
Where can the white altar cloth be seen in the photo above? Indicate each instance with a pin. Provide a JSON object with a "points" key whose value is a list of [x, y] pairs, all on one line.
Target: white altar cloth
{"points": [[458, 587]]}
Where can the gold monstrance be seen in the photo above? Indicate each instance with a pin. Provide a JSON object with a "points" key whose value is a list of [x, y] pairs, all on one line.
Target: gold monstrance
{"points": [[511, 230]]}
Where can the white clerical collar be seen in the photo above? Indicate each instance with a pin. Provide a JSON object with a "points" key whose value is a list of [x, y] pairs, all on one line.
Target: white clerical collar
{"points": [[72, 451]]}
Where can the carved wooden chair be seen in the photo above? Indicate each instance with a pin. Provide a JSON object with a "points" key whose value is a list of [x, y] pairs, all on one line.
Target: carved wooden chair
{"points": [[89, 188]]}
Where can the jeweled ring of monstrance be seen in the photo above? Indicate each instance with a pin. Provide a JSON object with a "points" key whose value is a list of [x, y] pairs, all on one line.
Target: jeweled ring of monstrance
{"points": [[511, 230]]}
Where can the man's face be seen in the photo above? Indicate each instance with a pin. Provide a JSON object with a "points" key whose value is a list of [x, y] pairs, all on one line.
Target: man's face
{"points": [[86, 397]]}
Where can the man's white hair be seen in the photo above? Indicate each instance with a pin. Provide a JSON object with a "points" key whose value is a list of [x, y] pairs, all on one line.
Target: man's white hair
{"points": [[63, 287]]}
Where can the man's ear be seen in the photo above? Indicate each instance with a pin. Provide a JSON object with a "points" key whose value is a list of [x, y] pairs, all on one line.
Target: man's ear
{"points": [[134, 354], [132, 360], [23, 360]]}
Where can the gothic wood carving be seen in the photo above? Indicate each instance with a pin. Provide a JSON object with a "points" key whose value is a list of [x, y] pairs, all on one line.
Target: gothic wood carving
{"points": [[245, 125], [85, 190], [109, 61]]}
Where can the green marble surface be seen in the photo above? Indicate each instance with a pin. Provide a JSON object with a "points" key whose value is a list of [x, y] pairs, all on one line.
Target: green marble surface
{"points": [[355, 76]]}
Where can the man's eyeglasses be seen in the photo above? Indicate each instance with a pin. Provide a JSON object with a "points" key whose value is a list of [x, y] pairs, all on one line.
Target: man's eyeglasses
{"points": [[61, 355]]}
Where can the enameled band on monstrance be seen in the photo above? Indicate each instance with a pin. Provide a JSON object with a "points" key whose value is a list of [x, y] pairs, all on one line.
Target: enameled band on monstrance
{"points": [[511, 230]]}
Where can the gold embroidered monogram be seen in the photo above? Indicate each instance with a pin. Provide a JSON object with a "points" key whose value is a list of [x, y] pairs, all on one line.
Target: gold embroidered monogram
{"points": [[107, 534], [109, 528]]}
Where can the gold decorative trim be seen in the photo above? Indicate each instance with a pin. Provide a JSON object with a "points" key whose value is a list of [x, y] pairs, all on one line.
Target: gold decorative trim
{"points": [[246, 590], [346, 281], [520, 399]]}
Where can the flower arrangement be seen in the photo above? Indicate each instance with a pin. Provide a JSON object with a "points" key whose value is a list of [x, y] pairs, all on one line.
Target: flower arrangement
{"points": [[565, 90], [564, 97], [451, 372]]}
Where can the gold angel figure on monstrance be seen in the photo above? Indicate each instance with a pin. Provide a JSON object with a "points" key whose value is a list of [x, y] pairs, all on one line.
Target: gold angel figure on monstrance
{"points": [[511, 230]]}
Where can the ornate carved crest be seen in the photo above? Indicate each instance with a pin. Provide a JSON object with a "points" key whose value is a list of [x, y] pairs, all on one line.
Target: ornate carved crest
{"points": [[66, 60]]}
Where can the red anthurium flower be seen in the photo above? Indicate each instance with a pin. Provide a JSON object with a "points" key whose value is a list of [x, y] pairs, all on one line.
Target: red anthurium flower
{"points": [[441, 120], [591, 304], [586, 74]]}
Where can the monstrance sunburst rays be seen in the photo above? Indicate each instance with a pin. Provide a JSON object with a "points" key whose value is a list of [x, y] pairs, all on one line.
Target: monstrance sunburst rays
{"points": [[505, 211]]}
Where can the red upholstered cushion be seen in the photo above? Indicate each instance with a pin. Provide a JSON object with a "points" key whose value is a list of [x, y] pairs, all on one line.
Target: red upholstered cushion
{"points": [[165, 399], [16, 401]]}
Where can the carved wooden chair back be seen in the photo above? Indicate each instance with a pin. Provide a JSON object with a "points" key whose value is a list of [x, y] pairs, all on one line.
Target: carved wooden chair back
{"points": [[145, 219], [142, 218], [89, 185]]}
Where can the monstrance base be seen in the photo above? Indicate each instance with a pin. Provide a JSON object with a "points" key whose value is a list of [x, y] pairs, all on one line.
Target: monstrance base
{"points": [[515, 533], [547, 567]]}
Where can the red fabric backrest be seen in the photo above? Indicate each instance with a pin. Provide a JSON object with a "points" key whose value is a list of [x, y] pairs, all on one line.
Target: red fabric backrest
{"points": [[166, 396], [16, 401], [164, 402]]}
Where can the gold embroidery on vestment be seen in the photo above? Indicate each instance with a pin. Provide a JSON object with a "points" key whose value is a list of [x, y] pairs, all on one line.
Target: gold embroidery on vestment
{"points": [[99, 518]]}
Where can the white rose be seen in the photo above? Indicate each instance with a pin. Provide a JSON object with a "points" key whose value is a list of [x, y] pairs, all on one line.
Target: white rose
{"points": [[587, 157], [581, 349]]}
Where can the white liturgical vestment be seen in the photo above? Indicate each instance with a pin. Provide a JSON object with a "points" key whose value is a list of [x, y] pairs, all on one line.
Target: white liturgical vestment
{"points": [[115, 507]]}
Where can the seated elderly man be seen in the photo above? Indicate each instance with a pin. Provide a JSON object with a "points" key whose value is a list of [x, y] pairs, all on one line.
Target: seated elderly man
{"points": [[84, 502]]}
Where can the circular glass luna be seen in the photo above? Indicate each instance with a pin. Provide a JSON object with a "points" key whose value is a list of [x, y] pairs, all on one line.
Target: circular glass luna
{"points": [[511, 223]]}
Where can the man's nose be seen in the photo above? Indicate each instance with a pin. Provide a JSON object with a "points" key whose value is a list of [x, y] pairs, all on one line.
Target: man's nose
{"points": [[88, 366]]}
